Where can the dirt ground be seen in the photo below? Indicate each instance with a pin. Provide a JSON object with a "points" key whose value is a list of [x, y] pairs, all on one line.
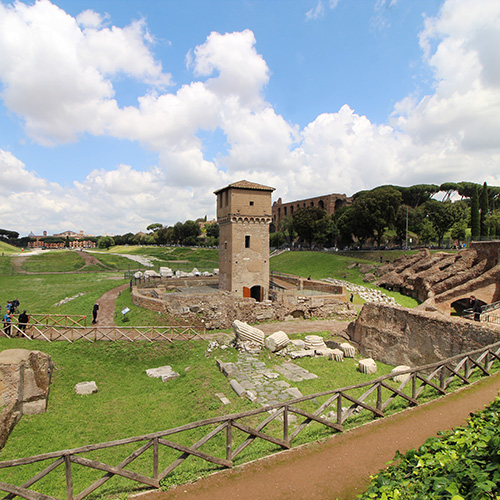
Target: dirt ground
{"points": [[340, 467]]}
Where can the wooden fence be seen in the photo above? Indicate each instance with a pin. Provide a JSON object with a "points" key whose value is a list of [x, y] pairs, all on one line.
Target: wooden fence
{"points": [[110, 333], [238, 431], [57, 320]]}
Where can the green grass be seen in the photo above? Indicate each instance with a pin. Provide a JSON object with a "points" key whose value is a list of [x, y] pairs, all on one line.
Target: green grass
{"points": [[39, 293], [6, 249], [53, 261]]}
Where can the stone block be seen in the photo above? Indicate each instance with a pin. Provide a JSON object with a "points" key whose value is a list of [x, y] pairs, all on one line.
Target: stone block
{"points": [[400, 378], [367, 366], [349, 350], [245, 332], [85, 388], [336, 355], [294, 392], [163, 372], [303, 353], [224, 400], [277, 341], [237, 388]]}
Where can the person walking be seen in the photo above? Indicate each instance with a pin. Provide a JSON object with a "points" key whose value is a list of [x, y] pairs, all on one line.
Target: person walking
{"points": [[7, 322], [23, 321], [94, 313], [476, 308]]}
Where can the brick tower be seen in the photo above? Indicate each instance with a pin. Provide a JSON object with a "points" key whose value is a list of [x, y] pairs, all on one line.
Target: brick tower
{"points": [[244, 215]]}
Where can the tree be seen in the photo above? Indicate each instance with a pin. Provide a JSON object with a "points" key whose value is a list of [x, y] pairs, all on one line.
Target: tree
{"points": [[414, 196], [442, 215], [376, 210], [311, 224], [427, 232], [105, 242], [286, 227], [474, 214], [483, 212], [154, 227]]}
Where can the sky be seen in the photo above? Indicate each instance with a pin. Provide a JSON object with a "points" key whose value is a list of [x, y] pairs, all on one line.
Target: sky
{"points": [[116, 114]]}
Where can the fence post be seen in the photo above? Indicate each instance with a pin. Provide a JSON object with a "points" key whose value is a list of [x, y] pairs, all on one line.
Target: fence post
{"points": [[285, 424], [339, 409], [379, 397], [69, 479], [155, 458], [229, 437]]}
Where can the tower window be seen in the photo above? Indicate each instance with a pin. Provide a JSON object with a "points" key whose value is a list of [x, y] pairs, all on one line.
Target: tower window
{"points": [[247, 241], [251, 203]]}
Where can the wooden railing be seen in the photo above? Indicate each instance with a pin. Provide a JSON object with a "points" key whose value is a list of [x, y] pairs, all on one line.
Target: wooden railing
{"points": [[238, 431], [111, 333], [58, 320]]}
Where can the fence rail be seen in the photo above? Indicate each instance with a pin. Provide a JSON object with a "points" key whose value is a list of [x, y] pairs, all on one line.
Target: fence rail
{"points": [[110, 333], [237, 434], [58, 320]]}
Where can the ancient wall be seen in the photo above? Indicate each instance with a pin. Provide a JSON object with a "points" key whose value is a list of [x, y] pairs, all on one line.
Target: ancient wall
{"points": [[24, 386], [400, 336], [219, 310]]}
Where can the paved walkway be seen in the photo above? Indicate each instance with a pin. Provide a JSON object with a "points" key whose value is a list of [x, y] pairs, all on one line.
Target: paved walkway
{"points": [[339, 467]]}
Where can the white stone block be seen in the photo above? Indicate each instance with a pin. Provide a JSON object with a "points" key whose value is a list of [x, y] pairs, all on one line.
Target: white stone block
{"points": [[367, 366], [163, 372], [400, 378], [349, 350], [337, 355], [277, 341], [85, 388]]}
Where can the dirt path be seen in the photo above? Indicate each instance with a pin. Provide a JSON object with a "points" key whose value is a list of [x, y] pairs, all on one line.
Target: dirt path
{"points": [[107, 301], [340, 466]]}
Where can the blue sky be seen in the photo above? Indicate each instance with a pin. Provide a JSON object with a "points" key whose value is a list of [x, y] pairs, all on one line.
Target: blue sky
{"points": [[116, 114]]}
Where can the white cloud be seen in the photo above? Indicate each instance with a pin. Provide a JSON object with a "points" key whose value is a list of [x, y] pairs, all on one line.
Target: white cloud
{"points": [[58, 74]]}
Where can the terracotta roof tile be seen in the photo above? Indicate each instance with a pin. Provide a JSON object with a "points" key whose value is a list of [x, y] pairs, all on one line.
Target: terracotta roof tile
{"points": [[246, 185]]}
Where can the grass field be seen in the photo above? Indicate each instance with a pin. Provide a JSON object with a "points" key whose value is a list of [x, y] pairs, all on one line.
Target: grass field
{"points": [[128, 402]]}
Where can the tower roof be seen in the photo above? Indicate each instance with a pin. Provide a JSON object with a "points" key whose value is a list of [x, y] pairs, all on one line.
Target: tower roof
{"points": [[246, 185]]}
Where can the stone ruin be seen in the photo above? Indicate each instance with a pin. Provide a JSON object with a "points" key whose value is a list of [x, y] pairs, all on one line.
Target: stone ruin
{"points": [[441, 279], [24, 386]]}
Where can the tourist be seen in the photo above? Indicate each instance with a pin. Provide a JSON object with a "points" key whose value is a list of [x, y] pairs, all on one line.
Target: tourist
{"points": [[94, 313], [7, 322], [23, 321], [476, 308], [351, 298], [15, 305]]}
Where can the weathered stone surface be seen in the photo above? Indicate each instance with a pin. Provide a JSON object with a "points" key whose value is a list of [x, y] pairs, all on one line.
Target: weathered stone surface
{"points": [[445, 277], [244, 331], [294, 392], [400, 378], [303, 353], [348, 350], [24, 386], [238, 388], [367, 366], [224, 400], [298, 343], [395, 335], [276, 341], [337, 355], [314, 342], [86, 388], [163, 372]]}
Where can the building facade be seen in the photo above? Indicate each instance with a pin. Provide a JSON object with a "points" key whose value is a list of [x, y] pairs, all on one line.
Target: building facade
{"points": [[244, 216], [329, 202]]}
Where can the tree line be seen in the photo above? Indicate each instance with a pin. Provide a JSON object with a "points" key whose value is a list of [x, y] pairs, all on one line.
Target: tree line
{"points": [[398, 216]]}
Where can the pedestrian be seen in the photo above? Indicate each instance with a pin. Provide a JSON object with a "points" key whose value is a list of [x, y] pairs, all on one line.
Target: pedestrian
{"points": [[94, 313], [23, 321], [351, 298], [7, 322], [476, 308], [15, 305]]}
